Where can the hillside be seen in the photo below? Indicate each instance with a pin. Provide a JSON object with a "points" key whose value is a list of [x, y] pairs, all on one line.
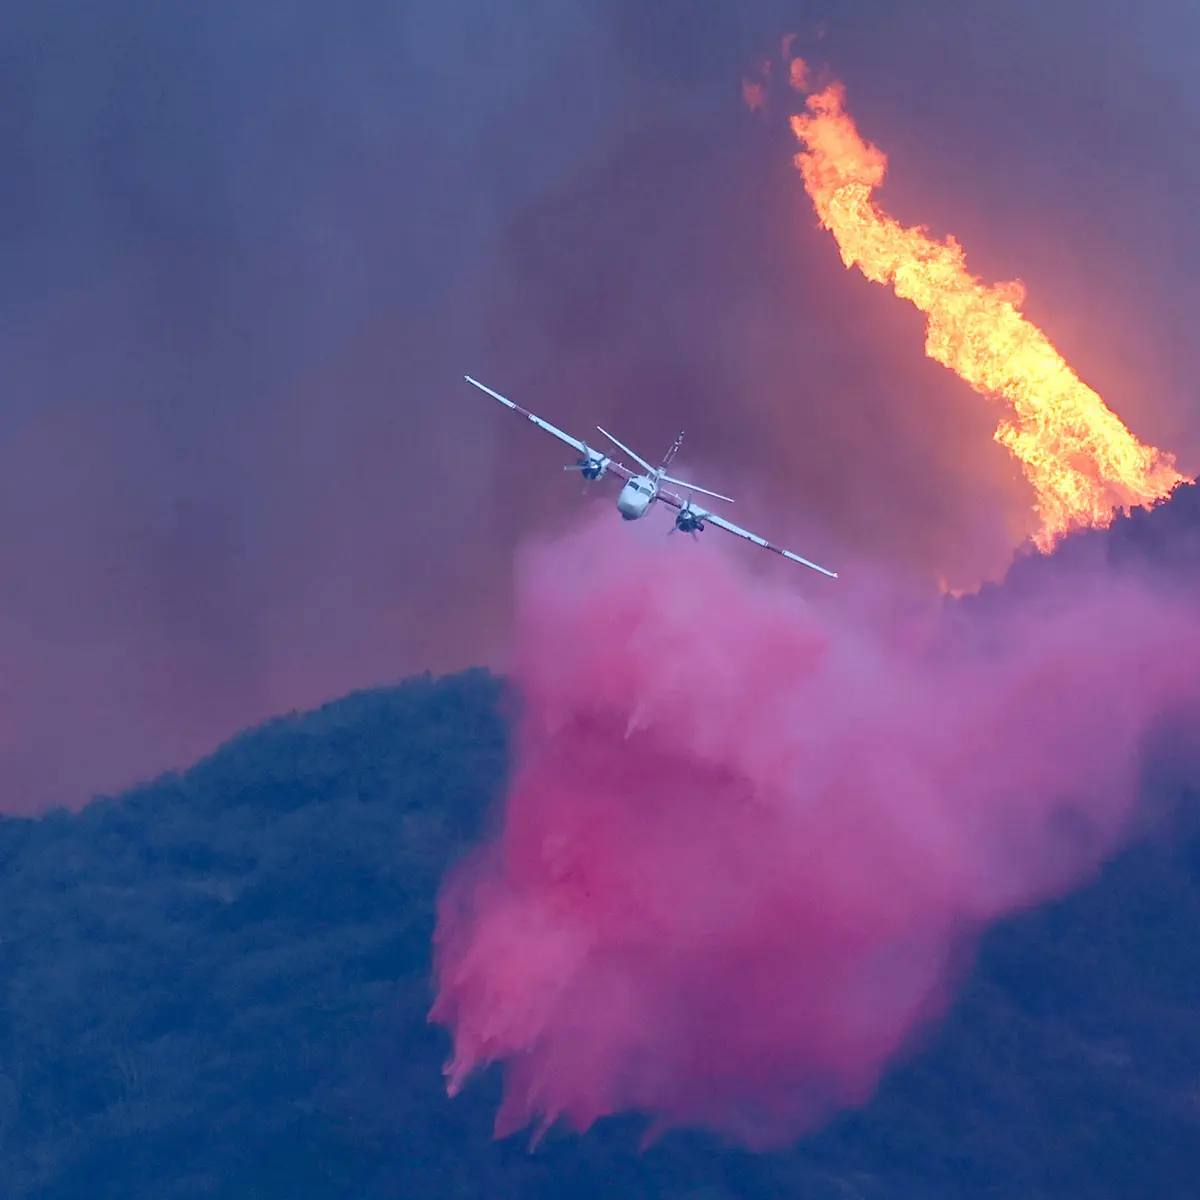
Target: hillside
{"points": [[216, 985]]}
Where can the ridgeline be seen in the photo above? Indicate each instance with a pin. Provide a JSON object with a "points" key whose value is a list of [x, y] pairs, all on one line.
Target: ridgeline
{"points": [[215, 986]]}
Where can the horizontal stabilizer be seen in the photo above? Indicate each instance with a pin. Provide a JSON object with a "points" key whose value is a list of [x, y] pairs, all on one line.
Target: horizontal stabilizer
{"points": [[691, 487], [637, 458]]}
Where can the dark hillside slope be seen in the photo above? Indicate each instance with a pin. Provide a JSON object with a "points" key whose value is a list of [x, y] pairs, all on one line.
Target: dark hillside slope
{"points": [[216, 986], [189, 969]]}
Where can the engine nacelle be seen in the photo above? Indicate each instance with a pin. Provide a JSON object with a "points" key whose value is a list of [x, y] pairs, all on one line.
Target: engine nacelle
{"points": [[593, 467], [690, 520]]}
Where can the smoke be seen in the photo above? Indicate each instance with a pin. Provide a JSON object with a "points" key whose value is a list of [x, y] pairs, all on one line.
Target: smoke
{"points": [[750, 839], [241, 283], [249, 253]]}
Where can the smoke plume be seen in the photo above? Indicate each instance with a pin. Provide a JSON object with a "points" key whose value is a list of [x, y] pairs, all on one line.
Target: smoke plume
{"points": [[750, 840], [250, 251]]}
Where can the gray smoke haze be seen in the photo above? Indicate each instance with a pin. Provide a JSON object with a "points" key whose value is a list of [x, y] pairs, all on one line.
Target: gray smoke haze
{"points": [[249, 252]]}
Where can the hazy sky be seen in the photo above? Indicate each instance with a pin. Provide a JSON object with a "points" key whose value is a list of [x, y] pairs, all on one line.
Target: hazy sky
{"points": [[249, 252]]}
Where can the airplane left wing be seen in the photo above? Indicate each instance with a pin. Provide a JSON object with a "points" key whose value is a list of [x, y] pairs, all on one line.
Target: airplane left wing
{"points": [[712, 519], [721, 523]]}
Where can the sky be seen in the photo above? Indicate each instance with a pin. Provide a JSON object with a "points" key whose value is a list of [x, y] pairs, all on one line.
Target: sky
{"points": [[249, 253]]}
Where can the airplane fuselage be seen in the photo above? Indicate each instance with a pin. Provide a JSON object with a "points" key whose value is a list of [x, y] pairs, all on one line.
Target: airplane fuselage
{"points": [[635, 498]]}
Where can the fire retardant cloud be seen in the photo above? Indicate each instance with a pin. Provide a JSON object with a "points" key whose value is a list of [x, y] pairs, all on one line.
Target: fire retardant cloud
{"points": [[749, 841]]}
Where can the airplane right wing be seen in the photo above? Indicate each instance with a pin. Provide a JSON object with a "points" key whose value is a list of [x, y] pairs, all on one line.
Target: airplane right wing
{"points": [[558, 433], [582, 447]]}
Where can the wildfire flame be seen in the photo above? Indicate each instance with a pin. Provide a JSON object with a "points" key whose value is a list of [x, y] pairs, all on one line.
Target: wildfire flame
{"points": [[1080, 459]]}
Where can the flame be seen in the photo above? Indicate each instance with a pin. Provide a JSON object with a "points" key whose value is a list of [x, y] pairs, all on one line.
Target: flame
{"points": [[1081, 460]]}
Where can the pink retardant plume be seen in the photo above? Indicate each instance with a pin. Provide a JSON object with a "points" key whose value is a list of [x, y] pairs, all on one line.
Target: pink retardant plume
{"points": [[748, 843]]}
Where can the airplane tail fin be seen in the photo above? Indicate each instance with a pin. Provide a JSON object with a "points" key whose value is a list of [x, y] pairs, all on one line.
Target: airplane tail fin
{"points": [[674, 450]]}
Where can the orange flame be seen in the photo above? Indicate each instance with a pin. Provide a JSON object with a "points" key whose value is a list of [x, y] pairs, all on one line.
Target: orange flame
{"points": [[1082, 462]]}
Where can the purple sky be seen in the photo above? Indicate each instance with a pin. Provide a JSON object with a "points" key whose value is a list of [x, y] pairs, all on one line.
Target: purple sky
{"points": [[248, 255]]}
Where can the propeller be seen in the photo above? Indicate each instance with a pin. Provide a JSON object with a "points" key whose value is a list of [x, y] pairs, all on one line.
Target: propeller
{"points": [[689, 520], [591, 466]]}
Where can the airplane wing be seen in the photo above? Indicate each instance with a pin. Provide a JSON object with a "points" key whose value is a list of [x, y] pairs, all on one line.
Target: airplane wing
{"points": [[582, 447], [720, 522], [558, 433]]}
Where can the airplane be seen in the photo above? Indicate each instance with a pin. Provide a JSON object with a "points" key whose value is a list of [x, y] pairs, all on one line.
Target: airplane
{"points": [[641, 491]]}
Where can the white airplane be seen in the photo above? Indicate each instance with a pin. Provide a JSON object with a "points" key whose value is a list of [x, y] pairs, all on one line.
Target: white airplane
{"points": [[641, 491]]}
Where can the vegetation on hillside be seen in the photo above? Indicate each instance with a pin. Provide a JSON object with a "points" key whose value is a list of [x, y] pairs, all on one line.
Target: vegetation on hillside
{"points": [[216, 986]]}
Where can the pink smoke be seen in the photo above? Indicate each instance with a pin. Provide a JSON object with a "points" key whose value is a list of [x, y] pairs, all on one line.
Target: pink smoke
{"points": [[749, 841]]}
